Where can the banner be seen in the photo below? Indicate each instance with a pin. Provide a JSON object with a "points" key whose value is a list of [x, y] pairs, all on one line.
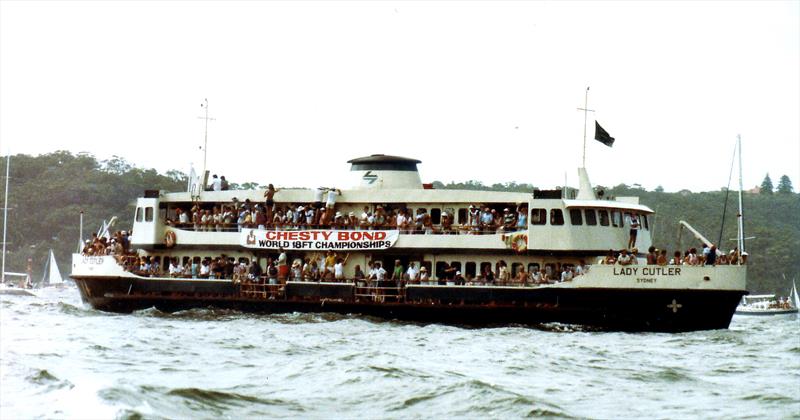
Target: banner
{"points": [[318, 240]]}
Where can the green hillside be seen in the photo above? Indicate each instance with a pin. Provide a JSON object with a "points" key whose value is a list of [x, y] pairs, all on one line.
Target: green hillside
{"points": [[47, 193]]}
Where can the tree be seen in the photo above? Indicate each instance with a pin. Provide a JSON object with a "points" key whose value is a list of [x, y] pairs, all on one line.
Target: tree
{"points": [[785, 185], [766, 185]]}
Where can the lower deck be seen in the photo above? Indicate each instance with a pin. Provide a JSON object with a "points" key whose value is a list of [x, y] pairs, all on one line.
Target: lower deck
{"points": [[606, 308]]}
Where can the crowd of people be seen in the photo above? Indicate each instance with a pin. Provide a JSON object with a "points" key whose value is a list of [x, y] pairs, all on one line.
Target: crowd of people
{"points": [[709, 255], [238, 215]]}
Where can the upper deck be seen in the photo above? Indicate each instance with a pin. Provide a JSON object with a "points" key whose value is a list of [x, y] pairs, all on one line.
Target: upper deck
{"points": [[385, 187]]}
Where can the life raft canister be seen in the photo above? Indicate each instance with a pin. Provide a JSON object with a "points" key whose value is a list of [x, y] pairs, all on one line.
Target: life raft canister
{"points": [[169, 239]]}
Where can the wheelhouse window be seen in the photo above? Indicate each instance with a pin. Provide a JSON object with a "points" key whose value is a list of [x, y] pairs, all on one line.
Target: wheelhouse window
{"points": [[646, 222], [139, 214], [575, 217], [148, 214], [615, 216], [556, 217], [591, 217], [603, 217], [538, 217]]}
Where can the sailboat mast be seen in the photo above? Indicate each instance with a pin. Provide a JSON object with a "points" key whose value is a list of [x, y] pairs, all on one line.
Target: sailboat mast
{"points": [[5, 221], [740, 239]]}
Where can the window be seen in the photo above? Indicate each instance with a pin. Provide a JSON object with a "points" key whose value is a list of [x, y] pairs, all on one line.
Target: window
{"points": [[463, 217], [440, 269], [591, 217], [485, 267], [186, 260], [575, 217], [457, 266], [515, 269], [533, 267], [469, 269], [139, 215], [603, 217], [148, 214], [646, 222], [556, 217], [616, 218], [538, 217], [436, 216]]}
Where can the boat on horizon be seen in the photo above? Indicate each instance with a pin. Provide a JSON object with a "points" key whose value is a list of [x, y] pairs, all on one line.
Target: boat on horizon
{"points": [[769, 304]]}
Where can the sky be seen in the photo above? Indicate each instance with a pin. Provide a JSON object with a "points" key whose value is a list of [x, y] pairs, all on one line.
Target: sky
{"points": [[476, 91]]}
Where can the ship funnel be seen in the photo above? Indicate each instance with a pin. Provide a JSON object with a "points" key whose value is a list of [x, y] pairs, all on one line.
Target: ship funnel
{"points": [[585, 191], [383, 171]]}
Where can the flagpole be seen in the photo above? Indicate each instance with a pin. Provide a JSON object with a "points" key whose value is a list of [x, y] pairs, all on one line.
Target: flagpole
{"points": [[586, 111]]}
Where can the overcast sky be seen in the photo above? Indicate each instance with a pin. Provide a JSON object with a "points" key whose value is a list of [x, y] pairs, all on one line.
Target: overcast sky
{"points": [[483, 91]]}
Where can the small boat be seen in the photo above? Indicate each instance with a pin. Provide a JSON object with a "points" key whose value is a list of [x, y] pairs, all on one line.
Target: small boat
{"points": [[769, 304], [18, 288]]}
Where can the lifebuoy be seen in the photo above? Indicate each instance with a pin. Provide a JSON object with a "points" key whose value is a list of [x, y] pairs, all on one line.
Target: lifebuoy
{"points": [[520, 243], [169, 239]]}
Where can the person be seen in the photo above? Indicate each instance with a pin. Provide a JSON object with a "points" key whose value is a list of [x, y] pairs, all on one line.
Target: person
{"points": [[359, 276], [175, 268], [711, 258], [459, 279], [634, 221], [522, 217], [566, 275], [397, 273], [223, 183], [412, 273], [254, 271], [509, 221], [522, 277], [693, 259], [424, 278], [330, 202], [503, 274], [651, 255], [282, 265], [624, 258], [338, 268], [269, 200], [536, 277], [380, 273], [744, 258], [609, 259], [216, 183], [662, 257]]}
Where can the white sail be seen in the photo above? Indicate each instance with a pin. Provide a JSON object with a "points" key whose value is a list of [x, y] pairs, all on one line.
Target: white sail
{"points": [[55, 275], [794, 294]]}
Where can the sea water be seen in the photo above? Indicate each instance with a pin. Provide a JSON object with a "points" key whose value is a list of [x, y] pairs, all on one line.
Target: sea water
{"points": [[61, 359]]}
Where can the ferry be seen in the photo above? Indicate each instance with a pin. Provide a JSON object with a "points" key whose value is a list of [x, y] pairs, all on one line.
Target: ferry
{"points": [[464, 271]]}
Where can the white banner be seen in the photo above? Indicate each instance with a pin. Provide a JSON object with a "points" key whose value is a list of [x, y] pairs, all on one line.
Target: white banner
{"points": [[348, 240]]}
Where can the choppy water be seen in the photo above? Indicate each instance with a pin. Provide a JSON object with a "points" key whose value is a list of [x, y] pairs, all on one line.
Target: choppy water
{"points": [[60, 359]]}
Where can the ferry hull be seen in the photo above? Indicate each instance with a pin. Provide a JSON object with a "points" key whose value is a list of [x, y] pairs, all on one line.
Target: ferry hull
{"points": [[666, 310]]}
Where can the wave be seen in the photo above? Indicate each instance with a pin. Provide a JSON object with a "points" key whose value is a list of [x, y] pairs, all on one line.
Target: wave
{"points": [[44, 378]]}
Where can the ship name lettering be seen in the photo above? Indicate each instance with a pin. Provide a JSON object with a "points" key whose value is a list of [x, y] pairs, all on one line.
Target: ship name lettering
{"points": [[645, 280], [661, 271], [625, 271]]}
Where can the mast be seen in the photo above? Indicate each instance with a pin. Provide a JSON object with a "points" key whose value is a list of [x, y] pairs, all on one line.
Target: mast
{"points": [[205, 144], [740, 216], [5, 221], [586, 112]]}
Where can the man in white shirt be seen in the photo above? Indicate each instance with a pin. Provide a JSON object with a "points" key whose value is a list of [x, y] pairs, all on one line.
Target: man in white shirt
{"points": [[216, 183], [380, 273], [412, 272]]}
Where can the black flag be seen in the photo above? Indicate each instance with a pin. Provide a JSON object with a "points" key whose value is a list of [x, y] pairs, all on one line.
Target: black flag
{"points": [[602, 135]]}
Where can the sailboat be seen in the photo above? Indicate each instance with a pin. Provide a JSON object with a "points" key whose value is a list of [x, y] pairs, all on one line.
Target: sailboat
{"points": [[52, 276]]}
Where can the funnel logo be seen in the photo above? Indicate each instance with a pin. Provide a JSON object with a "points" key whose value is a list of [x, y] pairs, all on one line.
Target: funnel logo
{"points": [[370, 177]]}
